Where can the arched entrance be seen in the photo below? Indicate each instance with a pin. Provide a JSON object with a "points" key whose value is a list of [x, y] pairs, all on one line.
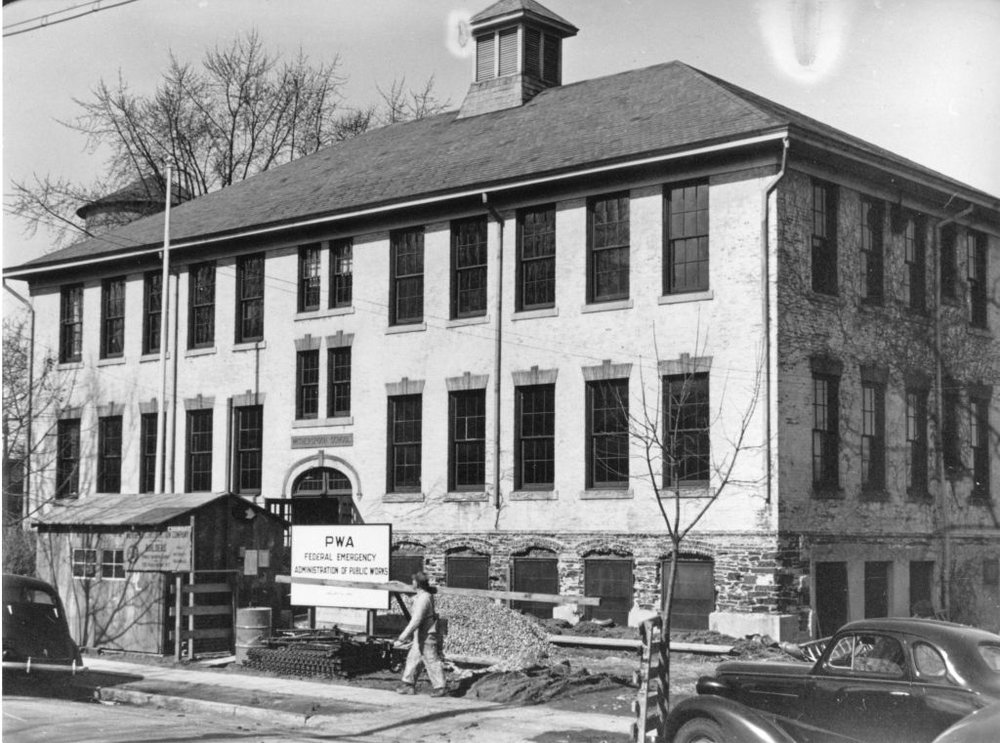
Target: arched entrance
{"points": [[323, 495]]}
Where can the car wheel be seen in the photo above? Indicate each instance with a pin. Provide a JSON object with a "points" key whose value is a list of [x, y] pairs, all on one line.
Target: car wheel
{"points": [[700, 730]]}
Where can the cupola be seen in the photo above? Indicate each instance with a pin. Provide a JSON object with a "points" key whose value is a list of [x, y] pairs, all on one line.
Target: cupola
{"points": [[518, 54]]}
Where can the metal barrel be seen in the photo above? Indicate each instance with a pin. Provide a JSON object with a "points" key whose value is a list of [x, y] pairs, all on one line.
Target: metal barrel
{"points": [[253, 628]]}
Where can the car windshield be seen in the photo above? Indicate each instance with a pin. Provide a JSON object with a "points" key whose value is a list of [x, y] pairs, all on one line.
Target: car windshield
{"points": [[991, 654]]}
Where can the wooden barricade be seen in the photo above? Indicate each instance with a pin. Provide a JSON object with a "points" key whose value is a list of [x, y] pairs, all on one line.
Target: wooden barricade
{"points": [[210, 604], [650, 706]]}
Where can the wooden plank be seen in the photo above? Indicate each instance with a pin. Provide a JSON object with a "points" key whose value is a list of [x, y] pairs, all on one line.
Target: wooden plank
{"points": [[400, 587], [208, 588], [205, 634], [623, 642]]}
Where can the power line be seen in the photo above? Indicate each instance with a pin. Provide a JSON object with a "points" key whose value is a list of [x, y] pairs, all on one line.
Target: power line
{"points": [[50, 19]]}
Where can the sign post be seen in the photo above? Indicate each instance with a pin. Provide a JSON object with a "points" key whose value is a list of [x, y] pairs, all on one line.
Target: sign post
{"points": [[355, 552]]}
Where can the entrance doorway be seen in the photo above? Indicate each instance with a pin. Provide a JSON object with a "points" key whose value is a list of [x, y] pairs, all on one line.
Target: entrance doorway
{"points": [[831, 596], [323, 496]]}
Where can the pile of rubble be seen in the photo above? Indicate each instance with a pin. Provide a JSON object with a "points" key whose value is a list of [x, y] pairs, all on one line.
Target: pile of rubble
{"points": [[483, 628]]}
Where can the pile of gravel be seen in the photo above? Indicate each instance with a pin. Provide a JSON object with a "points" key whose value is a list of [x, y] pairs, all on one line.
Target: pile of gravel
{"points": [[481, 627]]}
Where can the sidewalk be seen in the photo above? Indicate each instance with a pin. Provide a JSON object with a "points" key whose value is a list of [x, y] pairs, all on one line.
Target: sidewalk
{"points": [[342, 712]]}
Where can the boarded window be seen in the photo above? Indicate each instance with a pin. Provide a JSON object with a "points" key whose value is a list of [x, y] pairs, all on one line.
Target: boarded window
{"points": [[921, 588], [694, 593], [877, 589], [831, 596], [485, 57], [610, 579], [467, 571], [402, 567], [535, 575]]}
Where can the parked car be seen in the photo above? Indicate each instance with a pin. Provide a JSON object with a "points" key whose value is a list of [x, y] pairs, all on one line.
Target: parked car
{"points": [[982, 726], [35, 633], [885, 680]]}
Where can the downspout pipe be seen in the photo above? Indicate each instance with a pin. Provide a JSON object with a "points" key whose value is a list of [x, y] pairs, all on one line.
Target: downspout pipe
{"points": [[765, 270], [498, 347], [939, 412], [161, 418], [26, 506]]}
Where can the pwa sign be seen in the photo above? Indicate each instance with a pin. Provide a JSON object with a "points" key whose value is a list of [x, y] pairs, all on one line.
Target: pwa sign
{"points": [[352, 552]]}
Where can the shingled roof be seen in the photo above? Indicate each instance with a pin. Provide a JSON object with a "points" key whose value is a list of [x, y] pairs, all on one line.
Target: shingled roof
{"points": [[666, 108]]}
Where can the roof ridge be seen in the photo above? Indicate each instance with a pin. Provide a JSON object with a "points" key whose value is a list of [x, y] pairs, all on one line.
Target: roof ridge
{"points": [[744, 97]]}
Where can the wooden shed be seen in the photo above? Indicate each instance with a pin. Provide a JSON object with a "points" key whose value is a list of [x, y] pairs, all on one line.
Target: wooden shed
{"points": [[119, 561]]}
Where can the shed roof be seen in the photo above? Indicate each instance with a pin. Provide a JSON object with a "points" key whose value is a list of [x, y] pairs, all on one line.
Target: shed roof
{"points": [[130, 509]]}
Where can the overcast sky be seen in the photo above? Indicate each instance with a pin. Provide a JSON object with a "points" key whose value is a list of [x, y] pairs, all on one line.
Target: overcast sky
{"points": [[918, 77]]}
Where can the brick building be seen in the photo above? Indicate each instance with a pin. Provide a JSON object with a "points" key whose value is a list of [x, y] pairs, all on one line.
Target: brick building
{"points": [[440, 324]]}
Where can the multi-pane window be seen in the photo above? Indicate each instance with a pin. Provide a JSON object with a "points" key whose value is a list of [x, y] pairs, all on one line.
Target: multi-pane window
{"points": [[468, 267], [950, 441], [341, 273], [406, 288], [405, 418], [247, 459], [824, 238], [112, 563], [949, 261], [536, 258], [979, 433], [307, 384], [309, 277], [84, 563], [112, 318], [71, 323], [467, 434], [976, 263], [872, 436], [686, 262], [152, 311], [825, 434], [201, 306], [686, 429], [607, 433], [338, 372], [916, 443], [914, 253], [198, 472], [147, 452], [68, 458], [109, 454], [872, 254], [250, 298], [535, 429], [608, 248]]}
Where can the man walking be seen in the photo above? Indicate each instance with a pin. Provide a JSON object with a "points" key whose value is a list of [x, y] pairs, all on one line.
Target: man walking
{"points": [[423, 627]]}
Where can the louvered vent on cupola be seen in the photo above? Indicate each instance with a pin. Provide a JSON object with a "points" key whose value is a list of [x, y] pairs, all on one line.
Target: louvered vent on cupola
{"points": [[518, 54]]}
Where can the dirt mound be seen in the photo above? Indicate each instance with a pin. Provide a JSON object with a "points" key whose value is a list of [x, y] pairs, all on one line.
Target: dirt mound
{"points": [[536, 685], [481, 627]]}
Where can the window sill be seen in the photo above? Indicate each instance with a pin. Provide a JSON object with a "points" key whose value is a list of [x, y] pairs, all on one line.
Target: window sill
{"points": [[403, 498], [116, 361], [148, 358], [251, 346], [415, 327], [534, 495], [874, 495], [607, 494], [472, 497], [980, 331], [69, 365], [619, 304], [322, 422], [459, 322], [192, 352], [319, 314], [686, 297], [533, 314], [687, 490], [827, 492]]}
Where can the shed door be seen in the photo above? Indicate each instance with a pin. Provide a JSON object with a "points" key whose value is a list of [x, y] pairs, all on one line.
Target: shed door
{"points": [[609, 579]]}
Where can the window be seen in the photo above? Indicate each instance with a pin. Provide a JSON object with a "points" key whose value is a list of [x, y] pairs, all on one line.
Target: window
{"points": [[686, 262], [112, 563], [824, 238], [872, 437], [201, 309], [467, 434], [976, 263], [921, 588], [112, 318], [607, 433], [152, 311], [507, 39], [928, 661], [535, 574], [402, 566], [485, 58], [686, 423], [68, 458], [915, 255], [979, 422], [872, 259], [467, 571], [694, 592], [250, 298], [71, 323], [534, 432], [406, 300], [249, 448], [877, 589], [608, 248], [147, 453], [468, 268], [307, 384], [871, 655], [199, 452], [309, 278], [949, 260], [541, 55], [826, 435], [611, 580], [84, 563], [404, 443], [536, 258], [338, 371], [109, 454], [916, 443], [341, 273], [952, 444]]}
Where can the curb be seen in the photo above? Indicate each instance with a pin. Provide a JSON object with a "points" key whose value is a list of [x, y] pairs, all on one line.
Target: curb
{"points": [[138, 698]]}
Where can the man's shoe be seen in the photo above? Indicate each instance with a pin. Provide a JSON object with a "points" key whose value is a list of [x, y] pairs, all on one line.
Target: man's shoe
{"points": [[442, 692], [406, 689]]}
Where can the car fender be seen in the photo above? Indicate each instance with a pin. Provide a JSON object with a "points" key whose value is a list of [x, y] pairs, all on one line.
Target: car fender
{"points": [[738, 722]]}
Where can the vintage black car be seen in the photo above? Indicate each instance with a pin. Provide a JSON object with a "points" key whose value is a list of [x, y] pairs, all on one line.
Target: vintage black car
{"points": [[35, 634], [885, 680]]}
